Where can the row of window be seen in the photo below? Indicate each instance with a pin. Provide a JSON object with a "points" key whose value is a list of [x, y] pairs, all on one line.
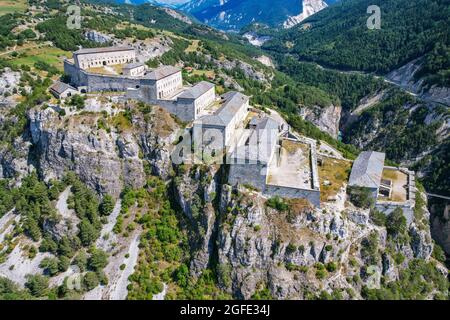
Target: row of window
{"points": [[96, 63]]}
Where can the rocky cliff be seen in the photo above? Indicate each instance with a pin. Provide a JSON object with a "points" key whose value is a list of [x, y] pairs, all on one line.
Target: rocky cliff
{"points": [[326, 119], [107, 150], [405, 78], [299, 253], [296, 252], [310, 7]]}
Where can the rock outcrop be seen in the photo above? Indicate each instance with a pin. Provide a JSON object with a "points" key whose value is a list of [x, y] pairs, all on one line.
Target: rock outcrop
{"points": [[326, 119], [106, 160], [310, 7], [405, 78]]}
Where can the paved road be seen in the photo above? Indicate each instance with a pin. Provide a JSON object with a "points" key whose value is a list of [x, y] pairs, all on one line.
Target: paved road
{"points": [[432, 195], [403, 88]]}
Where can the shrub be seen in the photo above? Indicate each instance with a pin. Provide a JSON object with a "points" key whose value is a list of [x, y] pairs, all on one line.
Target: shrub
{"points": [[291, 248], [90, 280], [361, 197], [396, 223], [438, 253], [378, 218], [37, 285], [277, 203], [331, 266]]}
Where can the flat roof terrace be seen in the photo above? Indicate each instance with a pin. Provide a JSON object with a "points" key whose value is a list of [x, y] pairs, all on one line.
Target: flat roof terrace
{"points": [[291, 166], [399, 186]]}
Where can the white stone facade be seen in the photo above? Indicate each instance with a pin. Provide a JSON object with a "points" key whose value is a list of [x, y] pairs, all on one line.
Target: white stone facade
{"points": [[134, 70], [204, 101], [168, 86], [99, 57]]}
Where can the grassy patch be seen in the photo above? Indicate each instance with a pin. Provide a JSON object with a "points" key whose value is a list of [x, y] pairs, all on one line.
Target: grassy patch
{"points": [[207, 73], [122, 122], [193, 46], [337, 173], [12, 6], [50, 55]]}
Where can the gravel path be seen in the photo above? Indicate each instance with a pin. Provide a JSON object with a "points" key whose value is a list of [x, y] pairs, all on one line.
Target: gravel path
{"points": [[161, 295], [6, 223], [118, 289], [108, 237], [118, 248], [62, 206], [118, 279]]}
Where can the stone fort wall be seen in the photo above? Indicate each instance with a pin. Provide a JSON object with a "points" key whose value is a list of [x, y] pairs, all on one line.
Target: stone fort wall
{"points": [[387, 207], [251, 174], [313, 196], [135, 88], [184, 111], [98, 82]]}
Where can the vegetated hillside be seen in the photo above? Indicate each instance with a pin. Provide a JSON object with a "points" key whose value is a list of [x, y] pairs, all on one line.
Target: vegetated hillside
{"points": [[338, 36]]}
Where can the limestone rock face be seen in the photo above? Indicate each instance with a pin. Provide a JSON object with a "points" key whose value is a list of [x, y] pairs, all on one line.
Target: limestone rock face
{"points": [[310, 7], [326, 119], [15, 162], [105, 161], [9, 80], [155, 135], [98, 37], [421, 243], [259, 247], [404, 77], [195, 189]]}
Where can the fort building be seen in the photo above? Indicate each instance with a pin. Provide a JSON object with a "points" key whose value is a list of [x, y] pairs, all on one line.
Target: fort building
{"points": [[136, 69], [99, 57], [162, 86], [390, 187], [275, 164], [202, 95], [367, 171], [218, 130], [62, 90], [164, 82]]}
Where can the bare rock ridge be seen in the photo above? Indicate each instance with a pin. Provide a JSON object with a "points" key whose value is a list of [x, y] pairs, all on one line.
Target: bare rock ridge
{"points": [[404, 77], [310, 7], [105, 161]]}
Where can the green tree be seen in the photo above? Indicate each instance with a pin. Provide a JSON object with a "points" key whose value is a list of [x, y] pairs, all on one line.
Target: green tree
{"points": [[396, 223], [88, 233], [182, 276], [81, 260], [107, 205], [50, 266], [37, 285], [90, 280], [98, 260]]}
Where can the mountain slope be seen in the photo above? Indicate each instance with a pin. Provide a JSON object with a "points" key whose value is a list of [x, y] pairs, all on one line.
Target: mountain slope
{"points": [[235, 14], [338, 36]]}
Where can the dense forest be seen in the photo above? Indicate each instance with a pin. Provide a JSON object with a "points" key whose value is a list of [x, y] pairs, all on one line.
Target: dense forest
{"points": [[338, 37]]}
